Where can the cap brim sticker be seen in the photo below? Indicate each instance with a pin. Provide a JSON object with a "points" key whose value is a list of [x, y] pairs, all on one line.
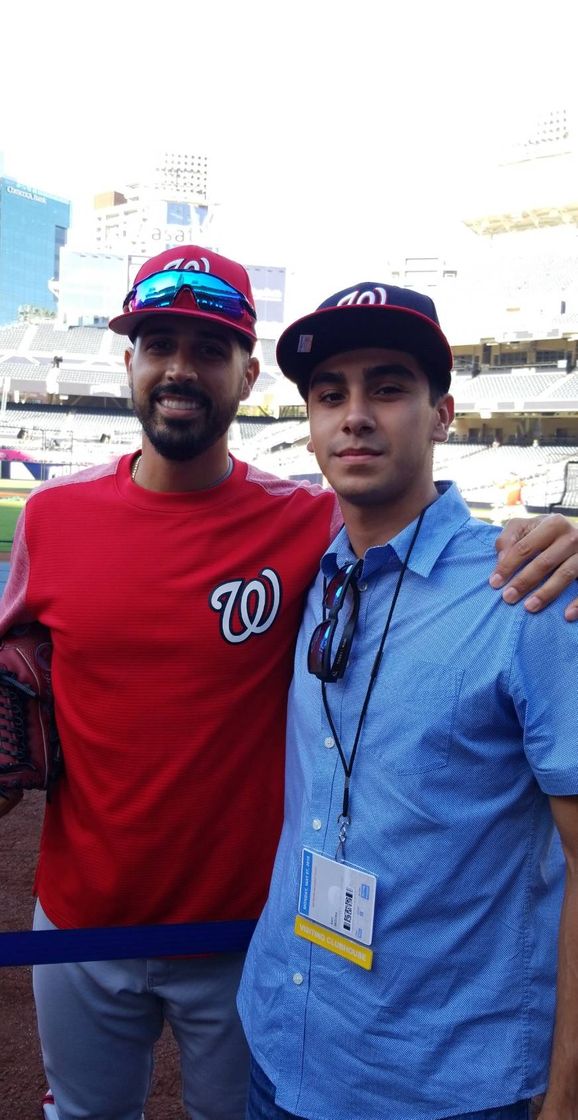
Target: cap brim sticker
{"points": [[305, 344]]}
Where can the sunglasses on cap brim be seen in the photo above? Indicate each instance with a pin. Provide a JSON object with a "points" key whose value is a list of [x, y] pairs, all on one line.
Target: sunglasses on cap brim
{"points": [[210, 293]]}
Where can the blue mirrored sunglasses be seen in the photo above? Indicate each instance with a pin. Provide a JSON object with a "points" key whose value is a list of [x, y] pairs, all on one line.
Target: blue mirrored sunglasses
{"points": [[319, 658], [211, 294]]}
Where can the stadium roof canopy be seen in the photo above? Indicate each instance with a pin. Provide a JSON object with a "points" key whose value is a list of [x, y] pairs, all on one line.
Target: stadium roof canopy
{"points": [[540, 217]]}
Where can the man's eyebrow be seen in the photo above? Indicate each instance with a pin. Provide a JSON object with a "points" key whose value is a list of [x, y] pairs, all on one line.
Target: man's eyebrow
{"points": [[326, 377], [156, 328], [389, 369], [204, 334]]}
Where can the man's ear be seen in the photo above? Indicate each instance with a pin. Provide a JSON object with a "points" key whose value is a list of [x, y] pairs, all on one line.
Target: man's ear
{"points": [[310, 446], [251, 374], [128, 354], [445, 414]]}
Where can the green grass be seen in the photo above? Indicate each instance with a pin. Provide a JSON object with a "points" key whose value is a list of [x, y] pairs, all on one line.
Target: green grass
{"points": [[10, 509]]}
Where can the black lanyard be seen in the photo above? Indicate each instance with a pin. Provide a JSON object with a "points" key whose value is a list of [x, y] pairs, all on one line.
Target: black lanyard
{"points": [[344, 818]]}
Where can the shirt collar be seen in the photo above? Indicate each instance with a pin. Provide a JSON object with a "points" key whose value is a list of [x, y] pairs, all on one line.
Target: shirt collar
{"points": [[441, 522]]}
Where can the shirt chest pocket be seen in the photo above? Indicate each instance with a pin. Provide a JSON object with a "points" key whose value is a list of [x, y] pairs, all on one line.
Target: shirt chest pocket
{"points": [[412, 714]]}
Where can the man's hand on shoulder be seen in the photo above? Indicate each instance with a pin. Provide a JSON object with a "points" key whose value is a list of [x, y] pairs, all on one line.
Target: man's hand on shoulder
{"points": [[9, 801], [538, 555]]}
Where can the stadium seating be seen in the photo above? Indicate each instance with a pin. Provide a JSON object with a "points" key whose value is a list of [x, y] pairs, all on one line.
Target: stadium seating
{"points": [[91, 369], [515, 386], [12, 337], [268, 346], [74, 340]]}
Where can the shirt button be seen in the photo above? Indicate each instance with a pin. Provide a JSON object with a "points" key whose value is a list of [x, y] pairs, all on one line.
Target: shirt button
{"points": [[297, 978], [329, 741], [316, 824], [362, 586]]}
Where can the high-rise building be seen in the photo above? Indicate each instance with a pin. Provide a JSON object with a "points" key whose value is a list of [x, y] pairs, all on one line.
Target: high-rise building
{"points": [[145, 220], [92, 287], [33, 229], [181, 173], [168, 206]]}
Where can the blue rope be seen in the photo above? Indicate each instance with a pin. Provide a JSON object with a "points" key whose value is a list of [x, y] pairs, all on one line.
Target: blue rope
{"points": [[124, 942]]}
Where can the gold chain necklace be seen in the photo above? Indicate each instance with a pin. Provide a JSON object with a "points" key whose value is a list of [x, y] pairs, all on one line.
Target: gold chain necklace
{"points": [[136, 465]]}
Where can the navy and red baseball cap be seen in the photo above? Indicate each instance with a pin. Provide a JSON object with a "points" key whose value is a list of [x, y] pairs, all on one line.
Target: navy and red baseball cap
{"points": [[367, 315], [192, 282]]}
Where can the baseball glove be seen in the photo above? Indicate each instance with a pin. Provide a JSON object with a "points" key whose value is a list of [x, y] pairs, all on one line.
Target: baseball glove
{"points": [[30, 754]]}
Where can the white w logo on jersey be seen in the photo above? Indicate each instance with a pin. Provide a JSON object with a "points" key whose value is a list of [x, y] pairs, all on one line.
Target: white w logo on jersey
{"points": [[247, 606]]}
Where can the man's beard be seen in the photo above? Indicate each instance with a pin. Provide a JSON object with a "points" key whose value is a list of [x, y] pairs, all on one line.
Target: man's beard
{"points": [[180, 440]]}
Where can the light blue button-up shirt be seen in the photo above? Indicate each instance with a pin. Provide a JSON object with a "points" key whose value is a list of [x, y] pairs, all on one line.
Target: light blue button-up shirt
{"points": [[471, 724]]}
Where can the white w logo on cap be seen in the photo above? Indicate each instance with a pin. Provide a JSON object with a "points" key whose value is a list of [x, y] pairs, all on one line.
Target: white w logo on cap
{"points": [[202, 265], [369, 295]]}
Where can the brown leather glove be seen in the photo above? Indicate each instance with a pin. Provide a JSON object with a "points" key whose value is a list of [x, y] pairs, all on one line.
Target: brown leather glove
{"points": [[30, 754]]}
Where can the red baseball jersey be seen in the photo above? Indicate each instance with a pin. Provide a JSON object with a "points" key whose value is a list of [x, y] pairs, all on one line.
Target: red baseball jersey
{"points": [[173, 618]]}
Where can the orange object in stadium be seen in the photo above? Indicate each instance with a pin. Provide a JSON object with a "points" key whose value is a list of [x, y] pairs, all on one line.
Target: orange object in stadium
{"points": [[513, 492]]}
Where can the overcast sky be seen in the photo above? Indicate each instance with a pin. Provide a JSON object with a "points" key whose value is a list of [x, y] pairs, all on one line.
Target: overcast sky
{"points": [[337, 132]]}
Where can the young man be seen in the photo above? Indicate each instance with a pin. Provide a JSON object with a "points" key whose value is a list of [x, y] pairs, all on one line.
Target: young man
{"points": [[173, 588], [405, 963]]}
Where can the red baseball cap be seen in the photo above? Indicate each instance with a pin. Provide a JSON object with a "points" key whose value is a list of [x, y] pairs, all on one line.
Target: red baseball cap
{"points": [[192, 282]]}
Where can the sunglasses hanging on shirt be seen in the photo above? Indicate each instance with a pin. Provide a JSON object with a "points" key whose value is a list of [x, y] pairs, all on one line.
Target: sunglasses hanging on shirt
{"points": [[321, 665], [319, 657]]}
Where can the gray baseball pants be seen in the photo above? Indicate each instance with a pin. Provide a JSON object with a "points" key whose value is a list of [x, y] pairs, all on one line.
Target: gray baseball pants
{"points": [[98, 1023]]}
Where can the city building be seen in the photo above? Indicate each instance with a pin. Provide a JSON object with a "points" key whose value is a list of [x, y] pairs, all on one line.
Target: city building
{"points": [[183, 173], [167, 206], [33, 229], [92, 287]]}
